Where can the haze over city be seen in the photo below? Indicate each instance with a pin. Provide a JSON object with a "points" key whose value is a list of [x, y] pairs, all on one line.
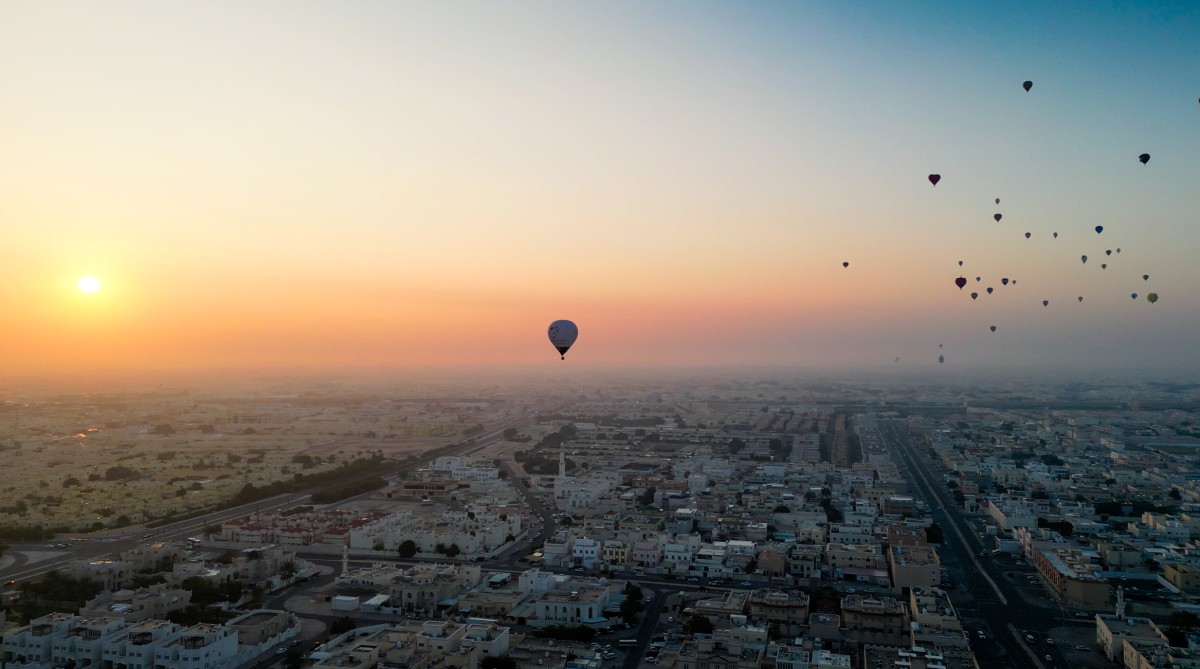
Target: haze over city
{"points": [[366, 185]]}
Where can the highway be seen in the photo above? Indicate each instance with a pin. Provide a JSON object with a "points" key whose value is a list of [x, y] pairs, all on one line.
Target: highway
{"points": [[991, 597]]}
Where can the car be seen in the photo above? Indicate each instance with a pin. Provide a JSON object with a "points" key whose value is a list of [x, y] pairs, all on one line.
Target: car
{"points": [[295, 642], [1049, 641], [281, 650], [745, 583], [693, 580], [1049, 658], [1082, 647]]}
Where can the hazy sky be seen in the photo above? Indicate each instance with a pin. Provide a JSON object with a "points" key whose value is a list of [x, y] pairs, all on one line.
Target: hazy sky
{"points": [[321, 184]]}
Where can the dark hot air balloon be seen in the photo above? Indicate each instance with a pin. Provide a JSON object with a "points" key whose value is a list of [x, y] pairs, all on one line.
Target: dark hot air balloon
{"points": [[1108, 252], [1056, 235], [1084, 259], [562, 335], [1027, 85], [1145, 158], [974, 296], [1103, 265], [1028, 235], [960, 282], [1099, 229], [1133, 296], [1152, 297], [1118, 249], [941, 359], [998, 216], [978, 279], [1014, 282], [1080, 298], [897, 360], [845, 264], [997, 200], [1045, 303], [935, 178], [1145, 277], [1004, 281], [990, 289], [993, 328], [960, 263]]}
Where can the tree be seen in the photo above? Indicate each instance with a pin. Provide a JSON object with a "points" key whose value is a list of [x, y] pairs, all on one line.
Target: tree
{"points": [[407, 549], [341, 625], [453, 551], [698, 625], [293, 659], [498, 662], [959, 497], [647, 497]]}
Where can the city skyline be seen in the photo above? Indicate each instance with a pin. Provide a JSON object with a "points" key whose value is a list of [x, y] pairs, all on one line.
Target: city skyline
{"points": [[377, 186]]}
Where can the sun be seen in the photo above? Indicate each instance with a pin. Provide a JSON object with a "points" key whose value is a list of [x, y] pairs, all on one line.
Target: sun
{"points": [[89, 284]]}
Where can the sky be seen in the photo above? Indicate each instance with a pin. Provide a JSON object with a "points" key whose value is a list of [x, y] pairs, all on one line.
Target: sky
{"points": [[317, 185]]}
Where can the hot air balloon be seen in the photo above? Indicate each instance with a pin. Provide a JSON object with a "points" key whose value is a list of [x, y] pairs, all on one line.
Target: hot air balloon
{"points": [[1099, 229], [1152, 297], [1004, 281], [1103, 265], [1145, 158], [978, 279], [1108, 252], [935, 178], [1080, 298], [990, 290], [1118, 249], [939, 345], [997, 200], [1027, 85], [562, 335], [1014, 282], [941, 359], [960, 282], [897, 360], [1133, 296], [1028, 235], [993, 328], [998, 216], [1145, 277], [845, 264], [960, 263], [1045, 303], [974, 296], [1084, 259]]}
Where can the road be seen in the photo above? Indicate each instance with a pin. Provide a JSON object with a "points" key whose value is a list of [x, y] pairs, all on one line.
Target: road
{"points": [[991, 597]]}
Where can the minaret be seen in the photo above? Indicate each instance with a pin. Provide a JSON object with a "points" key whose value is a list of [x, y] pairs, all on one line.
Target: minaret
{"points": [[345, 559], [1120, 602], [562, 463]]}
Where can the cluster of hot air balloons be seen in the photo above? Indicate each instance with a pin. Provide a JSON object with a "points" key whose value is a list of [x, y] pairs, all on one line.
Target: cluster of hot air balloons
{"points": [[961, 281]]}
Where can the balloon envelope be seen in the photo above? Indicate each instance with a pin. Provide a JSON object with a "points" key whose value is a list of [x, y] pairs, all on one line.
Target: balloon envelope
{"points": [[1133, 296], [941, 359], [845, 264], [993, 328], [1056, 235], [1028, 235], [1027, 85], [1145, 277], [1045, 303], [562, 335], [1152, 297], [974, 296], [935, 178], [1080, 298], [1099, 229], [1145, 158], [990, 290], [960, 282], [1084, 259], [1103, 265], [1108, 252], [1004, 281], [998, 217]]}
